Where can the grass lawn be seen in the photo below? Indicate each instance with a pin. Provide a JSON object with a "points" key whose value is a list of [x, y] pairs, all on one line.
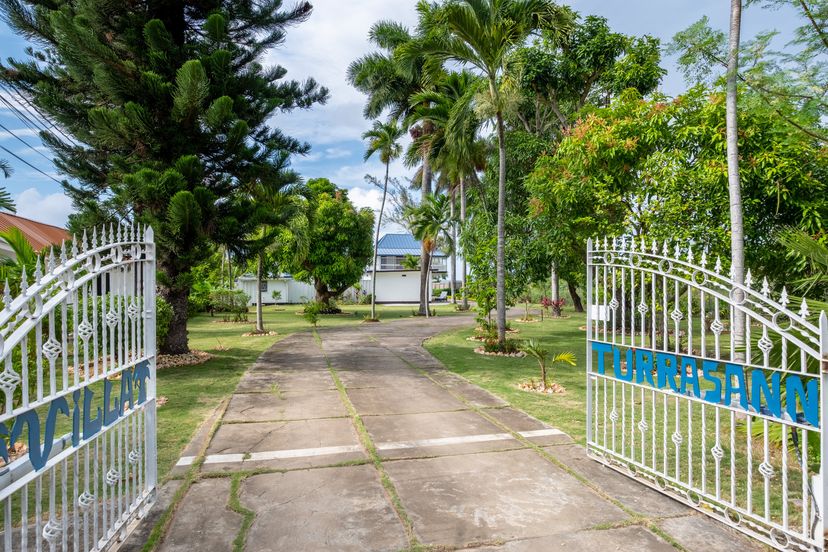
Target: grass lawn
{"points": [[501, 375], [193, 392]]}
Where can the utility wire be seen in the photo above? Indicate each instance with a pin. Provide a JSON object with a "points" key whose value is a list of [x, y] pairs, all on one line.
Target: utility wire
{"points": [[19, 114], [34, 149], [31, 109], [7, 150]]}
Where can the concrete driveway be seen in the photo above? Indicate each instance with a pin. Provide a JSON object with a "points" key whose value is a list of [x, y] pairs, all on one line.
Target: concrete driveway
{"points": [[359, 440]]}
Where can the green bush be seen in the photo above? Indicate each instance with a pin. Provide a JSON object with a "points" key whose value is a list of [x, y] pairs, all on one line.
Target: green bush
{"points": [[365, 299], [311, 312], [510, 346], [163, 318]]}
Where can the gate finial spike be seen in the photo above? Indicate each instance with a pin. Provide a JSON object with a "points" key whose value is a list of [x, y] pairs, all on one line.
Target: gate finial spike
{"points": [[748, 278], [83, 242], [74, 249], [94, 242], [654, 247], [803, 309], [783, 299], [703, 261], [765, 287], [24, 283], [50, 262], [690, 253], [111, 234], [37, 273], [677, 251], [605, 243], [7, 297], [623, 242], [665, 248], [718, 266], [63, 251]]}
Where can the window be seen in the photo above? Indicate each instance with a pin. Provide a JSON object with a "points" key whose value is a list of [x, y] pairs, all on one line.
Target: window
{"points": [[263, 286]]}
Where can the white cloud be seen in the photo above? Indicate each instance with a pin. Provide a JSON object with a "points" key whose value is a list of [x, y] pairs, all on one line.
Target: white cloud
{"points": [[51, 208], [336, 153], [365, 197]]}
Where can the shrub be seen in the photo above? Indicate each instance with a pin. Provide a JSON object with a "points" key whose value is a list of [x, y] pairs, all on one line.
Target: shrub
{"points": [[311, 312], [365, 299], [231, 301], [509, 346], [277, 295], [163, 318]]}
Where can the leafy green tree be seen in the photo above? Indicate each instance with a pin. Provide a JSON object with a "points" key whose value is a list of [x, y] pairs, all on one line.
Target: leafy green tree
{"points": [[6, 201], [483, 34], [383, 138], [626, 169], [168, 106], [556, 79], [534, 349], [339, 239]]}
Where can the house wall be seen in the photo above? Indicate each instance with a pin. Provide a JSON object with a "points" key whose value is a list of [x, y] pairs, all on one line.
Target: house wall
{"points": [[397, 287], [292, 290]]}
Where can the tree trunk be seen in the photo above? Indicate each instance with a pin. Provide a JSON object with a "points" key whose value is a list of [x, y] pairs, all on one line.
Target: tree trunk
{"points": [[376, 243], [425, 257], [323, 294], [176, 341], [462, 221], [453, 249], [501, 230], [543, 376], [259, 275], [428, 289], [576, 299], [555, 283], [737, 236]]}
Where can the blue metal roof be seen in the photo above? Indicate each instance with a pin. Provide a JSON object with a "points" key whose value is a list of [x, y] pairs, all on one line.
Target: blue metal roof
{"points": [[401, 245]]}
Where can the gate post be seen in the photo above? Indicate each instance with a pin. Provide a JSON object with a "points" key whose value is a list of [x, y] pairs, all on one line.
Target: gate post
{"points": [[589, 343], [823, 425], [151, 352]]}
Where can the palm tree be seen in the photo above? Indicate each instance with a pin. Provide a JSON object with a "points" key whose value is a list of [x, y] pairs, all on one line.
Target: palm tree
{"points": [[737, 234], [389, 85], [483, 33], [449, 108], [383, 138], [5, 198], [25, 258], [533, 349], [430, 223]]}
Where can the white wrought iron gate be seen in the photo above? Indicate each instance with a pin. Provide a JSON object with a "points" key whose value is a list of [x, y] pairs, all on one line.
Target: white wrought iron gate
{"points": [[676, 402], [77, 407]]}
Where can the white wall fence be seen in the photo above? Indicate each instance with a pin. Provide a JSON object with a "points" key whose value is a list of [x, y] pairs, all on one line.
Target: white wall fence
{"points": [[77, 348], [675, 401]]}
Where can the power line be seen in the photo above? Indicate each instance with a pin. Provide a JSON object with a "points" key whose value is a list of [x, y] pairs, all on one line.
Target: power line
{"points": [[34, 149], [31, 109], [7, 150]]}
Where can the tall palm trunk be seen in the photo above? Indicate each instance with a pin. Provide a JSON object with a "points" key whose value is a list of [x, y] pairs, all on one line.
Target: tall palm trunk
{"points": [[259, 278], [501, 229], [376, 243], [737, 236], [425, 261], [462, 221], [453, 249]]}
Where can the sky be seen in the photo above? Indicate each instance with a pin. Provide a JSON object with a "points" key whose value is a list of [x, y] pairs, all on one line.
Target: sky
{"points": [[322, 48]]}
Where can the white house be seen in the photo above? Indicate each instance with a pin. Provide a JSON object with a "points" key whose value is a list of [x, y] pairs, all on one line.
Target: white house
{"points": [[289, 290], [395, 282]]}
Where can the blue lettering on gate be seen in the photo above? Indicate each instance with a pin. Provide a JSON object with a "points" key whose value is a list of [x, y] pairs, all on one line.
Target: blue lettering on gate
{"points": [[84, 425], [680, 374]]}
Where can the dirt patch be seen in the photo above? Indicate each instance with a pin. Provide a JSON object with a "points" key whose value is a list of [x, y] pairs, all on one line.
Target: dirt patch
{"points": [[187, 359], [482, 351], [255, 333], [536, 387]]}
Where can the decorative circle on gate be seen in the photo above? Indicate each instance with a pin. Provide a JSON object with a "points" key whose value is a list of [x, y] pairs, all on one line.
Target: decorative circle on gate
{"points": [[85, 500], [661, 483], [52, 349], [632, 469], [112, 477], [85, 330], [694, 498], [780, 538], [717, 327], [699, 277], [782, 321], [635, 260], [609, 258], [111, 319], [134, 456], [766, 470], [52, 531], [737, 296], [665, 266], [733, 516], [765, 344], [9, 380]]}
